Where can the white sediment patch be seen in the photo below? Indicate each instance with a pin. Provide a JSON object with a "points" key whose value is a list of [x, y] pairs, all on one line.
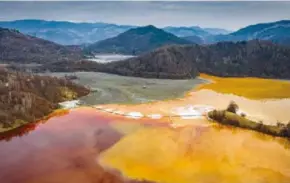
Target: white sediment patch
{"points": [[154, 116], [135, 115], [98, 107], [109, 110], [192, 111], [69, 104], [177, 125]]}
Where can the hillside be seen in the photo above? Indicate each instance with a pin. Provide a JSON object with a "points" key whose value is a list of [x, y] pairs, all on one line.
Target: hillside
{"points": [[19, 48], [253, 58], [136, 41], [166, 62], [25, 97], [277, 32]]}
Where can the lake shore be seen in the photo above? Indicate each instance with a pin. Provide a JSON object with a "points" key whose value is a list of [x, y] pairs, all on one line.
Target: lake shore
{"points": [[126, 92]]}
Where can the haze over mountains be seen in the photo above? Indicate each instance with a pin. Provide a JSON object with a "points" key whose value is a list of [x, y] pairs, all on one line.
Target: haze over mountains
{"points": [[66, 33], [70, 33]]}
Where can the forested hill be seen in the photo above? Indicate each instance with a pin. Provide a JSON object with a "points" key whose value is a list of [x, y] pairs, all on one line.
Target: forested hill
{"points": [[26, 97], [277, 32], [16, 47], [247, 58], [136, 41]]}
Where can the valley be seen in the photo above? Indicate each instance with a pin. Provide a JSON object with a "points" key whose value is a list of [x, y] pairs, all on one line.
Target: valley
{"points": [[144, 92]]}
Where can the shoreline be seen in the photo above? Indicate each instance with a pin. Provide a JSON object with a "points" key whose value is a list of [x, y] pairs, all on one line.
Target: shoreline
{"points": [[208, 82], [232, 119], [28, 126]]}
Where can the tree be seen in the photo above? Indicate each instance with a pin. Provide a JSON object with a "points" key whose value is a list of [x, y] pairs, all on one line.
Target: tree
{"points": [[232, 107]]}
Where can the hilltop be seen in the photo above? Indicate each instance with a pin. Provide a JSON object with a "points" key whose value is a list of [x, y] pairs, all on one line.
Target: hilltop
{"points": [[136, 41]]}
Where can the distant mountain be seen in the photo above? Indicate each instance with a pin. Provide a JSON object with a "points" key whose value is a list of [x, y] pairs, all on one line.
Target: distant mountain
{"points": [[136, 41], [277, 32], [216, 31], [66, 33], [253, 58], [194, 39], [72, 33], [187, 31], [19, 48]]}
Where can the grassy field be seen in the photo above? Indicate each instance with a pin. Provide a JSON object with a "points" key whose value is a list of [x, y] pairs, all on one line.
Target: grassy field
{"points": [[253, 88], [108, 88]]}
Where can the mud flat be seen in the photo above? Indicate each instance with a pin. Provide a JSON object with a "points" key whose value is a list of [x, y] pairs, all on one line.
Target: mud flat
{"points": [[109, 88]]}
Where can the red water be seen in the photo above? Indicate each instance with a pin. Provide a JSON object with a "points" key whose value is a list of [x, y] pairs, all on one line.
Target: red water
{"points": [[68, 148], [63, 149]]}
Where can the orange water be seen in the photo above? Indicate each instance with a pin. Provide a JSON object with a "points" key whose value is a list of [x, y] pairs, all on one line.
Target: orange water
{"points": [[87, 145]]}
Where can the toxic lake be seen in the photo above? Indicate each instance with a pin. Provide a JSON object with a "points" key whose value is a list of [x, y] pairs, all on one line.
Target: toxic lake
{"points": [[165, 138]]}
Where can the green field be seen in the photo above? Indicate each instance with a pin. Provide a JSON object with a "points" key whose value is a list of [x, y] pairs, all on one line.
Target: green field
{"points": [[108, 88]]}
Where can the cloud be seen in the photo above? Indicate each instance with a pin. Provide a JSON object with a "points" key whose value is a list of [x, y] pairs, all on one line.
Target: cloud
{"points": [[229, 15]]}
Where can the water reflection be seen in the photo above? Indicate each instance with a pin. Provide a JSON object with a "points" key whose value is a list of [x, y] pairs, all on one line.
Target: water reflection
{"points": [[25, 129]]}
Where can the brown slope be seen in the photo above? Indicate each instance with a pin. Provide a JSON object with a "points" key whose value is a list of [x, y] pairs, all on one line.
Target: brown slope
{"points": [[253, 58], [166, 62], [27, 97], [19, 48]]}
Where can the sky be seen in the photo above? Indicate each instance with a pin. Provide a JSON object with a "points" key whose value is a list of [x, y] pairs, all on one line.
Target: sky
{"points": [[227, 15]]}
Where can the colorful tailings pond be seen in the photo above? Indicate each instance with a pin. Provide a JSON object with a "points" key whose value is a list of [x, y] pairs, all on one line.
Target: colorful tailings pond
{"points": [[165, 141]]}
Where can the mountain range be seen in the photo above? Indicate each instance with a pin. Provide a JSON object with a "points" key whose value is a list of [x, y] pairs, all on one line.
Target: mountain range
{"points": [[158, 58], [277, 32], [71, 33], [66, 33]]}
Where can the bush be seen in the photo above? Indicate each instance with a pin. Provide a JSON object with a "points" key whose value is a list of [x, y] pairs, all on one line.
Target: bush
{"points": [[232, 107], [243, 115]]}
